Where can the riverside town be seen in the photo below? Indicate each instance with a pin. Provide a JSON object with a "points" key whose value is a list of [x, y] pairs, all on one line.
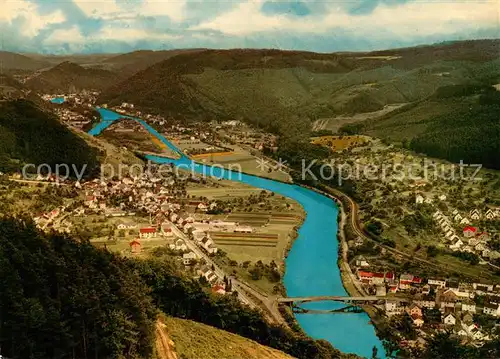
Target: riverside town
{"points": [[279, 189]]}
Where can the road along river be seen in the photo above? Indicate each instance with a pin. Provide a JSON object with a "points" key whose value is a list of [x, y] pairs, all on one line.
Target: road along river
{"points": [[311, 265]]}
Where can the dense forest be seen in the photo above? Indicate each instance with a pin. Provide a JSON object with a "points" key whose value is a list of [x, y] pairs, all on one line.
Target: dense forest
{"points": [[64, 298], [29, 135], [471, 135]]}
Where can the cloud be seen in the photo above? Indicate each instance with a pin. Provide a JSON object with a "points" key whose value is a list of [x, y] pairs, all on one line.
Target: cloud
{"points": [[423, 18], [123, 25], [24, 16]]}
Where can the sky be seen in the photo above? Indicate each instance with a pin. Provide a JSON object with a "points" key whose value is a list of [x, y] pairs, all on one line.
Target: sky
{"points": [[111, 26]]}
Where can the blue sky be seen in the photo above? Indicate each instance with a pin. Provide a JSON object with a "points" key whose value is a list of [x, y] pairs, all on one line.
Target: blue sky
{"points": [[94, 26]]}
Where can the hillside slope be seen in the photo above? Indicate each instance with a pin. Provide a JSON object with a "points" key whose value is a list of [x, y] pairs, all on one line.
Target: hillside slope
{"points": [[11, 62], [457, 123], [70, 77], [133, 62], [181, 338], [268, 86], [29, 135]]}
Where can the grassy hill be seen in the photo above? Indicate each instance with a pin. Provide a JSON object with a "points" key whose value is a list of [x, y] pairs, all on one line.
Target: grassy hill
{"points": [[266, 87], [30, 135], [70, 77], [191, 340]]}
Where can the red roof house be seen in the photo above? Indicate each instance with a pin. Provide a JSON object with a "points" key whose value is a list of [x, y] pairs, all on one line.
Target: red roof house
{"points": [[135, 246], [470, 231], [147, 232]]}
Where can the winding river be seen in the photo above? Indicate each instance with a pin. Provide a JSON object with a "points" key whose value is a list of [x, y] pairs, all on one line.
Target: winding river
{"points": [[311, 266]]}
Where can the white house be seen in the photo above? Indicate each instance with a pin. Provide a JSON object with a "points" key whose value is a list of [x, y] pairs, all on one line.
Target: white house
{"points": [[437, 282], [465, 221], [468, 307], [208, 244], [147, 232], [449, 319], [483, 287], [490, 214], [419, 199], [457, 218], [491, 309], [458, 244], [475, 216], [442, 197]]}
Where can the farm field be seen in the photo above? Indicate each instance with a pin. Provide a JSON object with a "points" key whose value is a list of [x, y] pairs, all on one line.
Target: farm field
{"points": [[241, 159], [339, 143]]}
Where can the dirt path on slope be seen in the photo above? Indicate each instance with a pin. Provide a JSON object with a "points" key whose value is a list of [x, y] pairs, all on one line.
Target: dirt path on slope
{"points": [[164, 345]]}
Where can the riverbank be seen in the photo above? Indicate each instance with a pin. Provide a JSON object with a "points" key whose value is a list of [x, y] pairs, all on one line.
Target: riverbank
{"points": [[351, 284]]}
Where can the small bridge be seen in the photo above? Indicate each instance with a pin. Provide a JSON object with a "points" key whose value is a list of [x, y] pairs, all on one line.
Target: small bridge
{"points": [[344, 310], [348, 300], [353, 304]]}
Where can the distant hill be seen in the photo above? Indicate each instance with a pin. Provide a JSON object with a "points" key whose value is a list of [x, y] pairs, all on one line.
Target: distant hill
{"points": [[266, 87], [69, 77], [12, 61], [133, 62], [29, 135]]}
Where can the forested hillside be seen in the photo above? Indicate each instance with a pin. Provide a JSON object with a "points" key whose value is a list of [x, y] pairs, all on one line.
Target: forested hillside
{"points": [[266, 87], [70, 77], [457, 123], [63, 298], [29, 135]]}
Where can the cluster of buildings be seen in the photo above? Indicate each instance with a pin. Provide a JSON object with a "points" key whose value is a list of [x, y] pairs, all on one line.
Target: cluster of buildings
{"points": [[456, 301], [471, 239]]}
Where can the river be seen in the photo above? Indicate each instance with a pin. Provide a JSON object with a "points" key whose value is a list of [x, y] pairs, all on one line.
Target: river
{"points": [[311, 265]]}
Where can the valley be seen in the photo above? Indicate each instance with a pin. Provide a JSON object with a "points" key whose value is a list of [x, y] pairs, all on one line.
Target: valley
{"points": [[242, 177]]}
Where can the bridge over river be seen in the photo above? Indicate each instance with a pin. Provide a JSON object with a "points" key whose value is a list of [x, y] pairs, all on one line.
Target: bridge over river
{"points": [[352, 304]]}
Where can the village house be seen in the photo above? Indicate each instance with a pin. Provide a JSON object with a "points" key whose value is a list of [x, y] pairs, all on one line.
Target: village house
{"points": [[490, 215], [483, 287], [457, 245], [449, 320], [407, 280], [465, 221], [361, 262], [429, 304], [437, 282], [166, 230], [468, 307], [208, 274], [135, 246], [491, 309], [414, 309], [419, 199], [147, 232], [208, 244], [475, 214], [469, 231]]}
